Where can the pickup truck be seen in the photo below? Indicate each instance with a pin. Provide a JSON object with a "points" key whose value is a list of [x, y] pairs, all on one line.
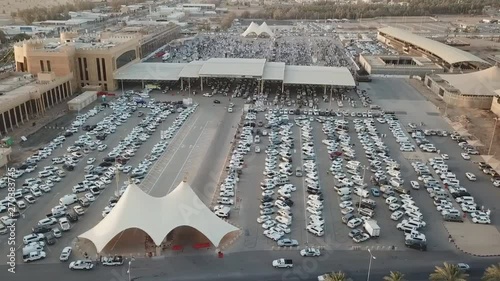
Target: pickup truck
{"points": [[33, 256], [283, 263]]}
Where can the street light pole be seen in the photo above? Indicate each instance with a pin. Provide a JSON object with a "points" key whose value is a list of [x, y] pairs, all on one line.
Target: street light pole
{"points": [[372, 257], [492, 136], [128, 271]]}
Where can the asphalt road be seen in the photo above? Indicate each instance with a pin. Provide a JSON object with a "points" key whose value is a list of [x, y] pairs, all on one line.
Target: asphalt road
{"points": [[255, 265]]}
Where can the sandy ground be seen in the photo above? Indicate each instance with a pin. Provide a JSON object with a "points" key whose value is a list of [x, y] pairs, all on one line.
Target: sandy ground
{"points": [[8, 6], [479, 123]]}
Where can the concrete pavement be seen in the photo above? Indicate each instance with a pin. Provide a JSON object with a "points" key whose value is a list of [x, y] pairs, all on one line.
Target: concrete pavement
{"points": [[256, 265]]}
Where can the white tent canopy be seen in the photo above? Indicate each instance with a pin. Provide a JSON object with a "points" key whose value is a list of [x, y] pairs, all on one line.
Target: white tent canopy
{"points": [[181, 207], [256, 30]]}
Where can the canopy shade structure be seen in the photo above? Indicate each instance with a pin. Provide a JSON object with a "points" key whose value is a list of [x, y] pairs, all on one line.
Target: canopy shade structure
{"points": [[229, 67], [192, 69], [481, 83], [151, 71], [449, 54], [274, 71], [255, 30], [181, 207], [318, 75]]}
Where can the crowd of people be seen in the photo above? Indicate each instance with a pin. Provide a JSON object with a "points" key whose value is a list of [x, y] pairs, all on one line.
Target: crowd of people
{"points": [[323, 51]]}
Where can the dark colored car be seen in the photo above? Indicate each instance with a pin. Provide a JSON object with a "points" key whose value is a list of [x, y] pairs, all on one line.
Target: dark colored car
{"points": [[41, 229], [416, 244], [216, 101], [106, 164], [267, 199], [50, 239]]}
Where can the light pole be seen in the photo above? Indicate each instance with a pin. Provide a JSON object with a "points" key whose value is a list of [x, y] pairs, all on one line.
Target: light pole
{"points": [[372, 257], [128, 271], [362, 186], [492, 136]]}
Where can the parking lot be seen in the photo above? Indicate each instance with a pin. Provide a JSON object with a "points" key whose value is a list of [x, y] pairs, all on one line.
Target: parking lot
{"points": [[336, 233], [317, 219], [109, 187]]}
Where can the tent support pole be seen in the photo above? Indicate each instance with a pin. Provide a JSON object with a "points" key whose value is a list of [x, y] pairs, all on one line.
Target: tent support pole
{"points": [[324, 87], [4, 123], [142, 81], [123, 90], [282, 87], [331, 94], [201, 83], [182, 84]]}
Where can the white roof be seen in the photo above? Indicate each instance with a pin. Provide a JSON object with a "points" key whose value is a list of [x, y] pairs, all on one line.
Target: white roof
{"points": [[318, 75], [274, 71], [255, 29], [181, 207], [231, 67], [239, 68], [447, 53], [156, 71], [192, 69], [481, 83], [82, 97]]}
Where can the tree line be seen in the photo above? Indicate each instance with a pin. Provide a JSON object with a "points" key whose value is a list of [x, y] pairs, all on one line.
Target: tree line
{"points": [[447, 272], [328, 10]]}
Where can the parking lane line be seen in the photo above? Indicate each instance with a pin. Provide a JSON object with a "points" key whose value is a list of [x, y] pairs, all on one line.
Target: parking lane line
{"points": [[304, 196], [173, 154], [187, 157]]}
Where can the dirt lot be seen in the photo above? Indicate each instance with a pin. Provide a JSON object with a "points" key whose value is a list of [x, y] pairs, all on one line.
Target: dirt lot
{"points": [[478, 123]]}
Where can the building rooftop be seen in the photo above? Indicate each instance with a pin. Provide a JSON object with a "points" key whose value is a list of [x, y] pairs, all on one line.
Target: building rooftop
{"points": [[447, 53], [239, 68], [420, 62], [16, 89]]}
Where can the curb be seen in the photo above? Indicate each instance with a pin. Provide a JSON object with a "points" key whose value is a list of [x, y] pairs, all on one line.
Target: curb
{"points": [[465, 252]]}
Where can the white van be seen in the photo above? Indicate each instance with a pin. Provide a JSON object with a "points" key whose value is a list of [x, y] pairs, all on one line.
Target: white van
{"points": [[344, 191], [391, 200], [33, 238], [68, 199], [363, 193]]}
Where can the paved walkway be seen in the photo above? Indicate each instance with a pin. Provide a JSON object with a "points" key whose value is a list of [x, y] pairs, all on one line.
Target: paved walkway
{"points": [[475, 239]]}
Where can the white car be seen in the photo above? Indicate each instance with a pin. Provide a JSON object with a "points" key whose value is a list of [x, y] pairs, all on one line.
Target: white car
{"points": [[481, 220], [29, 198], [397, 215], [394, 207], [314, 211], [347, 210], [445, 156], [470, 176], [264, 218], [79, 210], [345, 204], [310, 252], [90, 161], [465, 156], [316, 230], [90, 197], [81, 265], [414, 185], [268, 224], [66, 252]]}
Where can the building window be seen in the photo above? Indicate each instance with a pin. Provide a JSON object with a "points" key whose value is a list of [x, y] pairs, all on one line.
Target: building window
{"points": [[104, 70], [125, 58], [98, 63], [85, 68], [105, 87], [81, 68], [42, 68], [48, 66]]}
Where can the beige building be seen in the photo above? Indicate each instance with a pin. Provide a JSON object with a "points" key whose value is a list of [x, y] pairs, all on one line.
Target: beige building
{"points": [[25, 97], [399, 65], [92, 59]]}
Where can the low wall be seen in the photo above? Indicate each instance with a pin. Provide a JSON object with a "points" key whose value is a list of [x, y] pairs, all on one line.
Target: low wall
{"points": [[480, 102]]}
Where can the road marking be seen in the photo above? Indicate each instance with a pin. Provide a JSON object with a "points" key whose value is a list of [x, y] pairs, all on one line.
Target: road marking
{"points": [[170, 160], [187, 157], [303, 184]]}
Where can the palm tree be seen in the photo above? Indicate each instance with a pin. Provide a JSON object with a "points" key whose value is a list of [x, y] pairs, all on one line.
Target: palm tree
{"points": [[395, 276], [449, 272], [492, 273], [336, 276]]}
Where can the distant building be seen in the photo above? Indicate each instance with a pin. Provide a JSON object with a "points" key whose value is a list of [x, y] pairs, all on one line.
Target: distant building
{"points": [[11, 30], [92, 59]]}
